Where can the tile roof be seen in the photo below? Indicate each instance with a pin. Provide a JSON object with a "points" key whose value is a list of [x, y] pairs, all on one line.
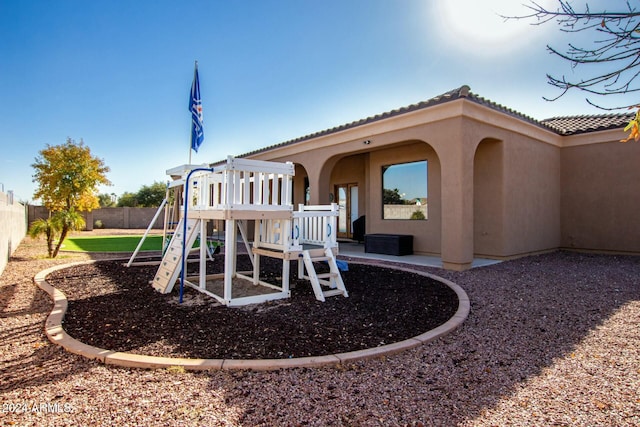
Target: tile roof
{"points": [[569, 125], [445, 97], [572, 125]]}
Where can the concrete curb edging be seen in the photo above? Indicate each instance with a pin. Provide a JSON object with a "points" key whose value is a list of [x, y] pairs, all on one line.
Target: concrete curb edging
{"points": [[57, 335]]}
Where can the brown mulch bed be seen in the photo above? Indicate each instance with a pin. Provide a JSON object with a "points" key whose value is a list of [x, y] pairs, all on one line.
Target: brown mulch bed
{"points": [[114, 307]]}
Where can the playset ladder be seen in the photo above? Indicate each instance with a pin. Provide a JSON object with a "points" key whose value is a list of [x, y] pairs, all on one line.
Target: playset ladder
{"points": [[333, 279], [171, 264], [171, 214]]}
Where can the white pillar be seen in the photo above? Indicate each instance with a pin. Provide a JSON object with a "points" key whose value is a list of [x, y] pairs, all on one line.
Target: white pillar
{"points": [[202, 280], [229, 258]]}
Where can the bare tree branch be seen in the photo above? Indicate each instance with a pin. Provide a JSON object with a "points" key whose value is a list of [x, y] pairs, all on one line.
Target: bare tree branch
{"points": [[615, 43]]}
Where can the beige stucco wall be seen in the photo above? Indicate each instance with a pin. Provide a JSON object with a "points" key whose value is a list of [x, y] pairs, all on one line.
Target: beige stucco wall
{"points": [[298, 185], [426, 233], [532, 197], [499, 186], [601, 196], [364, 168], [488, 198]]}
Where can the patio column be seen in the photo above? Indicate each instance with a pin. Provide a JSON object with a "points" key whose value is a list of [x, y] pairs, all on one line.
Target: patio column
{"points": [[319, 174], [456, 159]]}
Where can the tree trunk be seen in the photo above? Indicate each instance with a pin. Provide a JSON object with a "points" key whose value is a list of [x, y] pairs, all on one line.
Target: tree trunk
{"points": [[50, 243], [63, 235]]}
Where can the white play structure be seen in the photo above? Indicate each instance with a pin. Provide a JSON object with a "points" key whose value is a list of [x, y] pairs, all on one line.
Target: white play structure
{"points": [[247, 194]]}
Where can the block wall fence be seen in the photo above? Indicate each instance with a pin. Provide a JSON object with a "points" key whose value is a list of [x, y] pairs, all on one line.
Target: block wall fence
{"points": [[13, 227], [126, 217]]}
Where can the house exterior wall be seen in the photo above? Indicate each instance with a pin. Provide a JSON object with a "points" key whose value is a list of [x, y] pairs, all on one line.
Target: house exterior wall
{"points": [[532, 197], [516, 189], [600, 195], [298, 186], [427, 237], [498, 185], [488, 199]]}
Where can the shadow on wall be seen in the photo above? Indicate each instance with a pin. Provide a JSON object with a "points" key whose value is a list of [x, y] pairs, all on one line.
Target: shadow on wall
{"points": [[13, 227]]}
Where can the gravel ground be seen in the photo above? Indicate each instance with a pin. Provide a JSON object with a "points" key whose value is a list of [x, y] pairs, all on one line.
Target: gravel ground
{"points": [[551, 340]]}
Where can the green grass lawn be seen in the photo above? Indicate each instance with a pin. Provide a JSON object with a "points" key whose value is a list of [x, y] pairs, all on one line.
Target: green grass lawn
{"points": [[111, 243], [116, 243]]}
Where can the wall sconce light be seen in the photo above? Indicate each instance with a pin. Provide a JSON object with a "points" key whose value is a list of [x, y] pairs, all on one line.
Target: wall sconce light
{"points": [[366, 142]]}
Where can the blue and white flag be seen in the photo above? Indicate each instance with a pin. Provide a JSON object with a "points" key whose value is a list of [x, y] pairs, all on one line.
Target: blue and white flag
{"points": [[195, 106]]}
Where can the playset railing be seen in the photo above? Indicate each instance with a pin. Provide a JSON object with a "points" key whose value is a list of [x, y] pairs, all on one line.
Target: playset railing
{"points": [[250, 185], [316, 225], [309, 225], [242, 184]]}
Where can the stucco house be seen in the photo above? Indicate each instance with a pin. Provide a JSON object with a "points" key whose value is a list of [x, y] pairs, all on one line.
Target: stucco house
{"points": [[489, 182]]}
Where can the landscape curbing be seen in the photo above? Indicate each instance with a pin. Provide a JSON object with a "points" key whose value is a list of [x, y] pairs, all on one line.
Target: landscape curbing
{"points": [[57, 335]]}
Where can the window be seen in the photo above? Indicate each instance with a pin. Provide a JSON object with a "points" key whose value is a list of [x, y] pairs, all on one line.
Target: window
{"points": [[404, 191]]}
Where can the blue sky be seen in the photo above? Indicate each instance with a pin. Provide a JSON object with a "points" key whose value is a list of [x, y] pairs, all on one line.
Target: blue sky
{"points": [[117, 74]]}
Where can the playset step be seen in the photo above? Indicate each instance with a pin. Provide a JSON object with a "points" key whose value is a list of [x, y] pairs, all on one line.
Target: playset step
{"points": [[334, 281], [171, 264]]}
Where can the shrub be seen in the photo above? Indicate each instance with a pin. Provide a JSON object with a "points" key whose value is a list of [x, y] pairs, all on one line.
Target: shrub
{"points": [[418, 215]]}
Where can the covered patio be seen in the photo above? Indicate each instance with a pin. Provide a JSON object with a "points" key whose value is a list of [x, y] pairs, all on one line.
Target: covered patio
{"points": [[356, 250]]}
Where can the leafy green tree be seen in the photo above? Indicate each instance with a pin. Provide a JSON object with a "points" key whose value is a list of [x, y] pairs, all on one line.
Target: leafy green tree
{"points": [[392, 197], [106, 200], [151, 195], [148, 196], [128, 199], [68, 177]]}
